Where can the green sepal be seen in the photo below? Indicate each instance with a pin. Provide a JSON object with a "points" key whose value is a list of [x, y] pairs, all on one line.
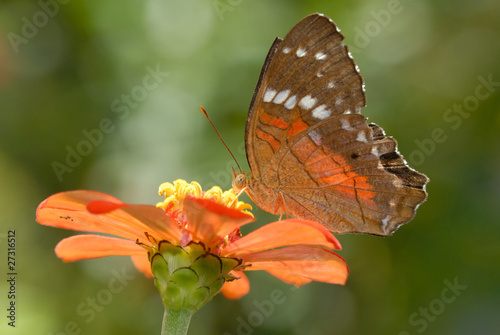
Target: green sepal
{"points": [[159, 268], [208, 267], [195, 250], [186, 278], [173, 297], [175, 256], [228, 265], [216, 286], [200, 297]]}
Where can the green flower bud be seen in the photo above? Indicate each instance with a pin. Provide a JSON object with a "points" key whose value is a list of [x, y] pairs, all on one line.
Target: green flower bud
{"points": [[188, 277]]}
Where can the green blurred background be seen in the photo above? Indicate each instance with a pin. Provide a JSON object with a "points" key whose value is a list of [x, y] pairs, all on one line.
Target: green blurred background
{"points": [[67, 68]]}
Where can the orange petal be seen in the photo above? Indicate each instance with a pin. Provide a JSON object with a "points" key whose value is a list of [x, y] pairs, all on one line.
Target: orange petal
{"points": [[142, 263], [209, 220], [155, 221], [283, 233], [290, 278], [237, 288], [300, 264], [101, 207], [68, 210], [89, 246]]}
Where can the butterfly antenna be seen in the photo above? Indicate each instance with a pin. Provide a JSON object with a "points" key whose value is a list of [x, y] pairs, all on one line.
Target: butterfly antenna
{"points": [[218, 134]]}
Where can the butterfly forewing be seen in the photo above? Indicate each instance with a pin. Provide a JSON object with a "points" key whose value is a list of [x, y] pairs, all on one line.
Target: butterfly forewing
{"points": [[312, 155], [310, 62]]}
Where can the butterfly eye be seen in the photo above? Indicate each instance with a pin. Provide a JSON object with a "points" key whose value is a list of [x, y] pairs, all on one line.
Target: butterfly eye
{"points": [[239, 182]]}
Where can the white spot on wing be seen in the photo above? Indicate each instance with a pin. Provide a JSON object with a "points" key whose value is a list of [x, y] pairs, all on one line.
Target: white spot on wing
{"points": [[385, 222], [397, 184], [281, 96], [315, 137], [269, 95], [319, 55], [321, 112], [347, 111], [301, 52], [331, 21], [331, 84], [286, 50], [290, 103], [307, 102], [361, 137], [345, 124], [375, 151]]}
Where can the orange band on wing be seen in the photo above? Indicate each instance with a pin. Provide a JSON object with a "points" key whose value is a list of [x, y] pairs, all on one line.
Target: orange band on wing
{"points": [[349, 182], [273, 120], [296, 127], [333, 170], [356, 186], [275, 144]]}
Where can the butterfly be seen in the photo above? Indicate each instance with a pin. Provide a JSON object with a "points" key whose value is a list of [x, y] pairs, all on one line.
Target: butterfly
{"points": [[311, 153]]}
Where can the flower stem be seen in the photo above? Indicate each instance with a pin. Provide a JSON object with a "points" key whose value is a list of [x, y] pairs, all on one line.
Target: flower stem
{"points": [[176, 322]]}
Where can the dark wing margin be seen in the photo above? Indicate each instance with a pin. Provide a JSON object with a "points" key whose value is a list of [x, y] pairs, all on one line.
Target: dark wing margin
{"points": [[269, 57], [394, 163]]}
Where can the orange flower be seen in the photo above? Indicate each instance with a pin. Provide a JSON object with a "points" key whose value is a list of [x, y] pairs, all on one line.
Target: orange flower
{"points": [[295, 251]]}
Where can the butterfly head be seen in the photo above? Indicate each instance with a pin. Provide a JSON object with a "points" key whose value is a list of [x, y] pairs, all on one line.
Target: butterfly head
{"points": [[240, 180]]}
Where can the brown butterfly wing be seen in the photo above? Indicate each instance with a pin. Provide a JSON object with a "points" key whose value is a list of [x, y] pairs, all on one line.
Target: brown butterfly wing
{"points": [[311, 152]]}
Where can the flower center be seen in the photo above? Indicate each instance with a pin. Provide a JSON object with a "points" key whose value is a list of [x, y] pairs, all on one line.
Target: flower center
{"points": [[176, 192]]}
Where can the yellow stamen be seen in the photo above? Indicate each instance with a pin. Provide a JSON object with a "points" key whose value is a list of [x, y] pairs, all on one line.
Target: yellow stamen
{"points": [[176, 193]]}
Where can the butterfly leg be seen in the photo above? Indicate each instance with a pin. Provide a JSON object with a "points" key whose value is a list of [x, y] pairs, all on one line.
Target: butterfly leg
{"points": [[281, 207]]}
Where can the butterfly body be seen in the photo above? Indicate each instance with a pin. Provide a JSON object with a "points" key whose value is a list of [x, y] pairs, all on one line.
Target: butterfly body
{"points": [[312, 154]]}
